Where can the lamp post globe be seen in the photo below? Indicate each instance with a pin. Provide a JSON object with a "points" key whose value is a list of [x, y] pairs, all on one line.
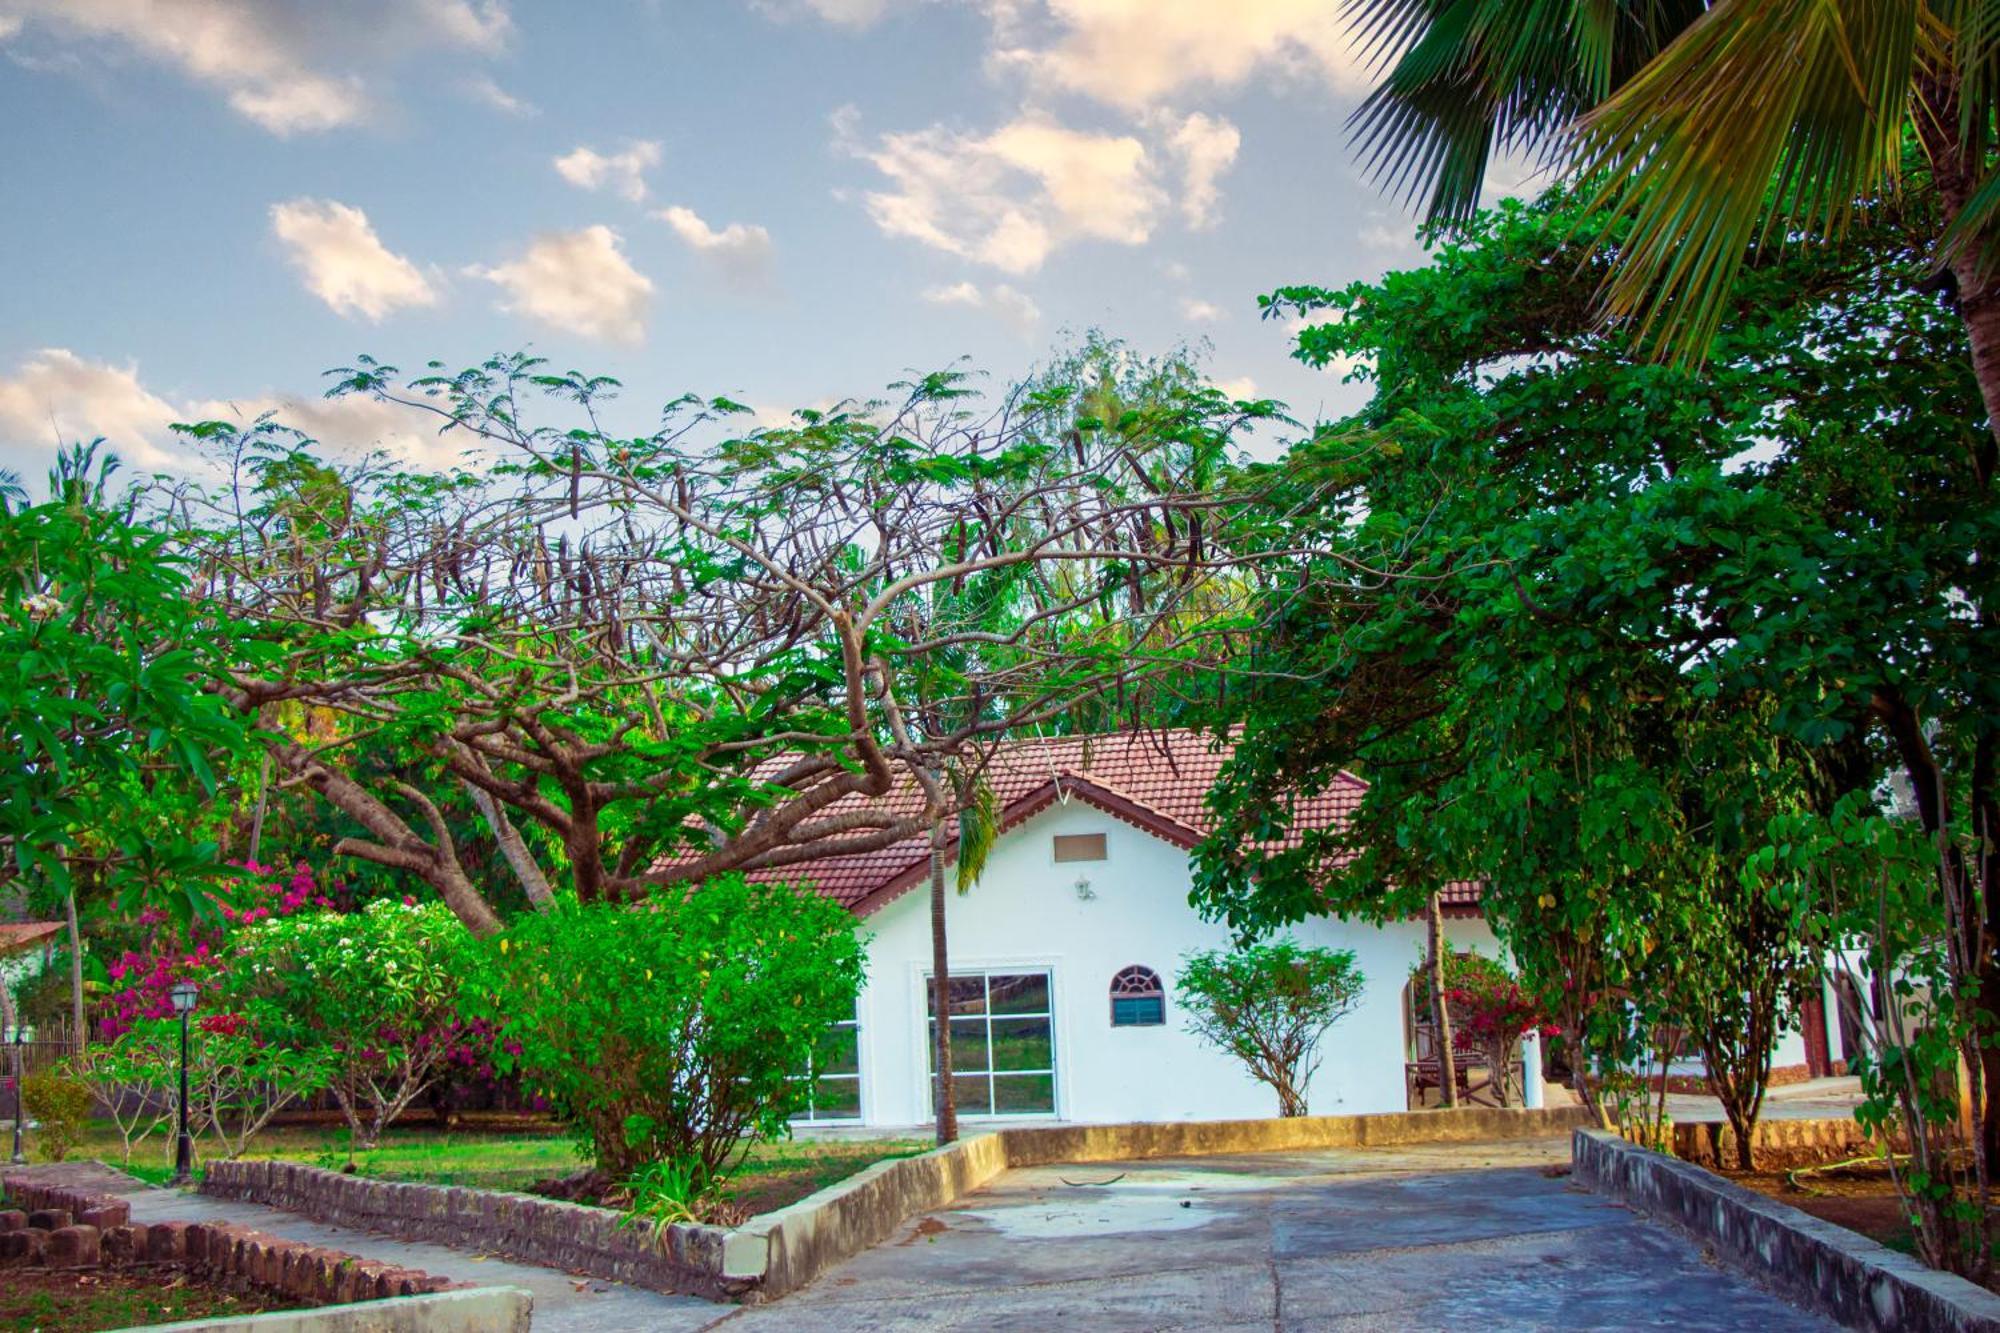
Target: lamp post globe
{"points": [[183, 995]]}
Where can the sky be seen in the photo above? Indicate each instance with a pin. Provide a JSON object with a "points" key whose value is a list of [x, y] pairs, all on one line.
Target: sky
{"points": [[788, 202]]}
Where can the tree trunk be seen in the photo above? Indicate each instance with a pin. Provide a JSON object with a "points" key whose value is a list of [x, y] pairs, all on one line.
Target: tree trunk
{"points": [[257, 814], [1440, 1006], [522, 861], [947, 1105], [75, 971]]}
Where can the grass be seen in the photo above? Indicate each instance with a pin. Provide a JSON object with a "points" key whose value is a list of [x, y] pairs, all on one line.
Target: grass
{"points": [[81, 1302], [511, 1157]]}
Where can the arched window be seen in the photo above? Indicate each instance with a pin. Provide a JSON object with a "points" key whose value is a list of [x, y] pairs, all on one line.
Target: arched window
{"points": [[1137, 999]]}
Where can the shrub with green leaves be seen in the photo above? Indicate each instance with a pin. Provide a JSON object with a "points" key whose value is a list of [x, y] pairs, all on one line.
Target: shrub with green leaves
{"points": [[1269, 1005], [60, 1106], [672, 1030], [374, 992]]}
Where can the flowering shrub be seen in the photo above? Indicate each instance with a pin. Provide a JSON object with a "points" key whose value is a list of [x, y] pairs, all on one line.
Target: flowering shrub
{"points": [[670, 1031], [373, 992], [1489, 1010]]}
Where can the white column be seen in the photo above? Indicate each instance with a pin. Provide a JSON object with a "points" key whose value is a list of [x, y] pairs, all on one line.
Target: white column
{"points": [[1531, 1070]]}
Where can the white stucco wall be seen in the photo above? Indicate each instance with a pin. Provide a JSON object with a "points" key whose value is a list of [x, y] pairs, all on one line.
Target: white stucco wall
{"points": [[1026, 913]]}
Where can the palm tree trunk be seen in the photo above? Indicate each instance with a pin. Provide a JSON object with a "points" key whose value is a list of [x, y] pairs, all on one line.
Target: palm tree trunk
{"points": [[1441, 1007], [947, 1105]]}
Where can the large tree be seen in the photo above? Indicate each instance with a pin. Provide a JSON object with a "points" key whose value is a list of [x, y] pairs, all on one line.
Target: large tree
{"points": [[114, 747], [1599, 618], [666, 656]]}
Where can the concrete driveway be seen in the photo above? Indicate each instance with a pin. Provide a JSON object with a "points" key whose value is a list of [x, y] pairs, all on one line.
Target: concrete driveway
{"points": [[1477, 1237]]}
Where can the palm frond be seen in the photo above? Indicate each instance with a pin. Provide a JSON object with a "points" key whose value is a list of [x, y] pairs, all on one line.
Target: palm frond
{"points": [[978, 830], [1766, 117], [1463, 78]]}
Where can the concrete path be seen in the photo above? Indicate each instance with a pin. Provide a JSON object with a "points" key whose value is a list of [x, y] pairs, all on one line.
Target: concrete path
{"points": [[1467, 1236], [563, 1304], [1815, 1099]]}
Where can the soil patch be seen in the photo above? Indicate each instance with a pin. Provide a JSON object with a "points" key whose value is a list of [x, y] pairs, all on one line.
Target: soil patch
{"points": [[85, 1302], [1861, 1198]]}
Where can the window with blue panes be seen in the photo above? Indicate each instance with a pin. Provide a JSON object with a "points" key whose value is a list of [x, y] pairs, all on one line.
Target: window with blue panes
{"points": [[1137, 999]]}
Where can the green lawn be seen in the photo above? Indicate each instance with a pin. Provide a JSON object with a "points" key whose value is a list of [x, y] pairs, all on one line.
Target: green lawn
{"points": [[513, 1159]]}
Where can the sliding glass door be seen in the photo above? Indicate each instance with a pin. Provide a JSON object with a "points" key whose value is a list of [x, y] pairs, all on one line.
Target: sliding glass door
{"points": [[1002, 1043]]}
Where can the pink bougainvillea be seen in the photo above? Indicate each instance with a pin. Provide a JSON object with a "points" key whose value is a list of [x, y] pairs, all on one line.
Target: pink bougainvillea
{"points": [[143, 979], [1491, 1011]]}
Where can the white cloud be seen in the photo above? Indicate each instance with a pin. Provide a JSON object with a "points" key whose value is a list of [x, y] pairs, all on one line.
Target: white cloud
{"points": [[55, 395], [741, 250], [1511, 173], [578, 281], [1011, 197], [624, 173], [1379, 236], [1205, 147], [292, 69], [958, 293], [1202, 312], [481, 88], [1241, 387], [1010, 306], [9, 25], [1138, 53], [345, 264]]}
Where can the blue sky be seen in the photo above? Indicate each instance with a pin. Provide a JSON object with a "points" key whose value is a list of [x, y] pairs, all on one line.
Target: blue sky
{"points": [[787, 201]]}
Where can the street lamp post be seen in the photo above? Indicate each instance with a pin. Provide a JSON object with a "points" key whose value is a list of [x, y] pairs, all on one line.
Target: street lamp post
{"points": [[183, 995], [20, 1103]]}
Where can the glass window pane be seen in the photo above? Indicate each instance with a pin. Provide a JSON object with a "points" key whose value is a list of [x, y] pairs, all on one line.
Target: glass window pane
{"points": [[837, 1099], [968, 996], [972, 1094], [1024, 1094], [968, 1045], [1022, 1043], [1024, 994], [841, 1053], [1138, 1010]]}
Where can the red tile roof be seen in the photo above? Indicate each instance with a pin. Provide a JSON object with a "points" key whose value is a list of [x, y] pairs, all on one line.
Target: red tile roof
{"points": [[1154, 780], [18, 935]]}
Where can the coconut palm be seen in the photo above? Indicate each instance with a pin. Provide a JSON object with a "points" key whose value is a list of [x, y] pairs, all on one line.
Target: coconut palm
{"points": [[1713, 127]]}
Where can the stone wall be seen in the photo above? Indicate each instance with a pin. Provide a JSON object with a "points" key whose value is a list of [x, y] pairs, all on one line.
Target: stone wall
{"points": [[1844, 1275], [525, 1227]]}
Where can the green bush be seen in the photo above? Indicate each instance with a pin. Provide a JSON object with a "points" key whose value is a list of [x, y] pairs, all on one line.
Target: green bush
{"points": [[1268, 1005], [61, 1107], [672, 1031]]}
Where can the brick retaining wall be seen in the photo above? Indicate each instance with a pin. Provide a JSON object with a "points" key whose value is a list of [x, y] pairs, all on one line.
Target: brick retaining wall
{"points": [[64, 1223], [570, 1236]]}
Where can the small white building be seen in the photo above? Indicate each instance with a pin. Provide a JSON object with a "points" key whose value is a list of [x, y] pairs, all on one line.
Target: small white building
{"points": [[1064, 956]]}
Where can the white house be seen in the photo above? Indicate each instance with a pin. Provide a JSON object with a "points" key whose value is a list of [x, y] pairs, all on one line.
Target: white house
{"points": [[1065, 952]]}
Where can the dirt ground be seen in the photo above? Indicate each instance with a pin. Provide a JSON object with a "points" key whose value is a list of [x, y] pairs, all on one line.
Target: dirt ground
{"points": [[1861, 1198], [86, 1302]]}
